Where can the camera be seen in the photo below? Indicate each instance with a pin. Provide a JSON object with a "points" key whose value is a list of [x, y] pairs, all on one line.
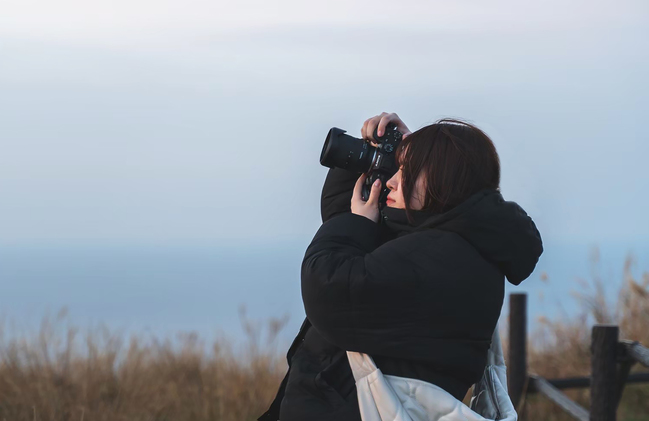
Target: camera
{"points": [[350, 153]]}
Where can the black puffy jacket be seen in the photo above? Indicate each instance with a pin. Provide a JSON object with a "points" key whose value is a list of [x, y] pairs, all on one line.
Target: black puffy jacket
{"points": [[422, 299]]}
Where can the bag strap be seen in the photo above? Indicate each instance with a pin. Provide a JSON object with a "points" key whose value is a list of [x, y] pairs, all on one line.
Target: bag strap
{"points": [[361, 364]]}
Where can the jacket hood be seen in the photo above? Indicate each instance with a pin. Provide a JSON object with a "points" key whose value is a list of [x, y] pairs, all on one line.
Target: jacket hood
{"points": [[501, 231]]}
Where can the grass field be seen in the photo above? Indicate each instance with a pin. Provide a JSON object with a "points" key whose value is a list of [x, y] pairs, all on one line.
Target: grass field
{"points": [[64, 374]]}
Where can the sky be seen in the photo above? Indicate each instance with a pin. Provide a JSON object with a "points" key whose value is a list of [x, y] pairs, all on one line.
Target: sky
{"points": [[140, 123]]}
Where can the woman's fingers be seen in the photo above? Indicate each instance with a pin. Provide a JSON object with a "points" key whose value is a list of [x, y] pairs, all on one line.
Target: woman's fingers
{"points": [[374, 193], [385, 119], [369, 208], [366, 133], [379, 123], [368, 129], [370, 125], [359, 186]]}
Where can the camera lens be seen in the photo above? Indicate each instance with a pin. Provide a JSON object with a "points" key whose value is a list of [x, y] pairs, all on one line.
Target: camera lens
{"points": [[347, 152]]}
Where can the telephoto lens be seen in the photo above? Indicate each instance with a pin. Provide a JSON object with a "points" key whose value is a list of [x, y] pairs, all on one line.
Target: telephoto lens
{"points": [[347, 152]]}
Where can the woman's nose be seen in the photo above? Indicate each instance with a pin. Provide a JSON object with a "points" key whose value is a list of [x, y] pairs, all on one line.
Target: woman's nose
{"points": [[391, 183]]}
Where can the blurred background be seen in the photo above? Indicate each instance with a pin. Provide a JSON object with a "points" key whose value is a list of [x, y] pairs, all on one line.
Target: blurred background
{"points": [[159, 168], [159, 160]]}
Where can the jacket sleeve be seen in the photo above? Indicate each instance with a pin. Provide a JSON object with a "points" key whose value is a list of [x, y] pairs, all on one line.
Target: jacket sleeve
{"points": [[337, 192], [356, 291]]}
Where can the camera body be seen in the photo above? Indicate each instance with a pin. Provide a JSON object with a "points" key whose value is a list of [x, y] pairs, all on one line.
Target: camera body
{"points": [[343, 151]]}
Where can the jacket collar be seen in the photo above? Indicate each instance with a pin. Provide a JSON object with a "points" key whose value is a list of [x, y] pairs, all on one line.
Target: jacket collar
{"points": [[501, 231]]}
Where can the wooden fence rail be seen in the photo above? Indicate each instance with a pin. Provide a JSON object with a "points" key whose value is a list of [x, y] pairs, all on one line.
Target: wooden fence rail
{"points": [[611, 362]]}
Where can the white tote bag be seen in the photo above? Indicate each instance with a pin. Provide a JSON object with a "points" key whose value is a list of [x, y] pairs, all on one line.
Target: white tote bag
{"points": [[393, 398]]}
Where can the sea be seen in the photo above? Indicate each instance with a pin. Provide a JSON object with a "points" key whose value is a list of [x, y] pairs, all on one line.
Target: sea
{"points": [[233, 292]]}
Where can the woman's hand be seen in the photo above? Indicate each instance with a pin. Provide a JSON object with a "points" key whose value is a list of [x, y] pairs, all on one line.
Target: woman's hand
{"points": [[369, 209], [382, 120]]}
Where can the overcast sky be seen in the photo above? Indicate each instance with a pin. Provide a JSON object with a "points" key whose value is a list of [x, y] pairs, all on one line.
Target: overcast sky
{"points": [[169, 122]]}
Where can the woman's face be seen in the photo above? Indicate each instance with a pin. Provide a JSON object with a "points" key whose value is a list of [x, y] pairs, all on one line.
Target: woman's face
{"points": [[396, 199]]}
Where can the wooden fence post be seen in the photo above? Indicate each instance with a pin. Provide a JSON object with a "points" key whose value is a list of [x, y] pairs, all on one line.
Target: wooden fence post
{"points": [[603, 388], [517, 366]]}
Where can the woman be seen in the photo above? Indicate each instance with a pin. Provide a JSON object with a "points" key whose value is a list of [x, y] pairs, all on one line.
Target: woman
{"points": [[420, 287]]}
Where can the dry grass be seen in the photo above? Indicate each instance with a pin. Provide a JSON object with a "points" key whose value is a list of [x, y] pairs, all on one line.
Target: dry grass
{"points": [[561, 348], [64, 376], [60, 374]]}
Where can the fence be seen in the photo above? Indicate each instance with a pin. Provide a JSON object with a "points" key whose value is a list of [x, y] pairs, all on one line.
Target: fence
{"points": [[611, 361]]}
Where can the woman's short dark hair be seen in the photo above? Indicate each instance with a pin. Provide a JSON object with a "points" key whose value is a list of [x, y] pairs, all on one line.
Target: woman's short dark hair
{"points": [[457, 158]]}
